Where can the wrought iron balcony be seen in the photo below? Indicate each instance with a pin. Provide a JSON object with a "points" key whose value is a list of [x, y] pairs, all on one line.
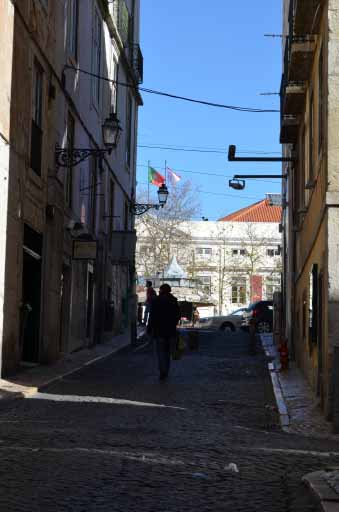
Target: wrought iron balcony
{"points": [[121, 17], [306, 16], [293, 98], [289, 128], [136, 62], [301, 56]]}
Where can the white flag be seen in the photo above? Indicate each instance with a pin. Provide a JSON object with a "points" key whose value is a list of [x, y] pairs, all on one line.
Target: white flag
{"points": [[172, 176]]}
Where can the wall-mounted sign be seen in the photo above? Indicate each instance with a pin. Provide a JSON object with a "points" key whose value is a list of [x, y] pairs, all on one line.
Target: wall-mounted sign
{"points": [[84, 249], [123, 246]]}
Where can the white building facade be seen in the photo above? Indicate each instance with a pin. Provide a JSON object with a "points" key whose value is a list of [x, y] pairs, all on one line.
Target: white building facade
{"points": [[237, 260]]}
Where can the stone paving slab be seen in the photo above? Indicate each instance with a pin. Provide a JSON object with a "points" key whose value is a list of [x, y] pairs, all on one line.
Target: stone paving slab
{"points": [[325, 486], [298, 408], [30, 380]]}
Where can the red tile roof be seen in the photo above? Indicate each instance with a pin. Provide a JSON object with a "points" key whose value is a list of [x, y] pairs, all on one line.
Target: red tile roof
{"points": [[257, 212]]}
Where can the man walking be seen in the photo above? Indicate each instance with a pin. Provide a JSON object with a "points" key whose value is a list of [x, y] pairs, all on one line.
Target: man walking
{"points": [[150, 294], [163, 320]]}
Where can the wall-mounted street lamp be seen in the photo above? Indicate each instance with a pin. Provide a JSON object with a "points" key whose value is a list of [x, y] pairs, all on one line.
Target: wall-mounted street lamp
{"points": [[238, 181], [233, 158], [69, 157], [141, 208]]}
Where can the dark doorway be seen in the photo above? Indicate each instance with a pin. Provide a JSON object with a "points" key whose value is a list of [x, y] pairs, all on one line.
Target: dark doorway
{"points": [[65, 302], [31, 295], [320, 387], [90, 290]]}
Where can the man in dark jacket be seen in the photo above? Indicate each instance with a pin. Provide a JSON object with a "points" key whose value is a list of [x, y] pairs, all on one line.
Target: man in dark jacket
{"points": [[163, 320]]}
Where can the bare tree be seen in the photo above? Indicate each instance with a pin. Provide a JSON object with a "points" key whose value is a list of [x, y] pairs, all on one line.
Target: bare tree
{"points": [[161, 231]]}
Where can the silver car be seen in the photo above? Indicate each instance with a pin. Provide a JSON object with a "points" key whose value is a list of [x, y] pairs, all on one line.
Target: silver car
{"points": [[223, 322]]}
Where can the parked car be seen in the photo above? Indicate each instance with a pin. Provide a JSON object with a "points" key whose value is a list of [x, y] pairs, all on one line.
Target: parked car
{"points": [[262, 312], [223, 322]]}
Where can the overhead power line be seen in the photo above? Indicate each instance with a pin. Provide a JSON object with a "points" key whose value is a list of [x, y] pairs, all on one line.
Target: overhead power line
{"points": [[200, 150], [204, 173], [236, 196], [173, 96]]}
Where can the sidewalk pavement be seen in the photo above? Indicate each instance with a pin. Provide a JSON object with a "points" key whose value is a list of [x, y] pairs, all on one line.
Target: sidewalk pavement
{"points": [[30, 380], [300, 413]]}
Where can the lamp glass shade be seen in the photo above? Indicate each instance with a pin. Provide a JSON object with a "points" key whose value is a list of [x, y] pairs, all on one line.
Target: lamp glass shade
{"points": [[111, 130], [162, 194]]}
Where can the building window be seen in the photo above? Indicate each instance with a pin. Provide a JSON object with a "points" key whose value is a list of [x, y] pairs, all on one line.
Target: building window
{"points": [[126, 216], [96, 57], [203, 251], [242, 252], [313, 304], [114, 86], [320, 100], [129, 131], [111, 212], [144, 250], [239, 291], [273, 284], [69, 169], [237, 252], [273, 252], [205, 281], [36, 127], [44, 3], [301, 175], [310, 140], [93, 193], [72, 27]]}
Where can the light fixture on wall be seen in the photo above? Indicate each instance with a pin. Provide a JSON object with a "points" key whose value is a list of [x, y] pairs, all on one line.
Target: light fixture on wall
{"points": [[238, 181], [141, 208], [69, 157]]}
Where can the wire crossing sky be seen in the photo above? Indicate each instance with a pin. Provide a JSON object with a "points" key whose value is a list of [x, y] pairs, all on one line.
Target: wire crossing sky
{"points": [[219, 53]]}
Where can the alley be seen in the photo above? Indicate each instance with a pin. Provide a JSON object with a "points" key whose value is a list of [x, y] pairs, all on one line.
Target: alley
{"points": [[111, 437]]}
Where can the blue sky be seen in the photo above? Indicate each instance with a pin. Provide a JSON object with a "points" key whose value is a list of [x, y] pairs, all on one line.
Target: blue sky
{"points": [[216, 52]]}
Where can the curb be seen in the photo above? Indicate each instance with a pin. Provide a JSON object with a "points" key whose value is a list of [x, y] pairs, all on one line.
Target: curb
{"points": [[74, 370], [16, 391], [325, 494], [277, 390]]}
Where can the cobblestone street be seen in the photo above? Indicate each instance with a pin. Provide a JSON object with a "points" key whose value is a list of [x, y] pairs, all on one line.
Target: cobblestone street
{"points": [[111, 437]]}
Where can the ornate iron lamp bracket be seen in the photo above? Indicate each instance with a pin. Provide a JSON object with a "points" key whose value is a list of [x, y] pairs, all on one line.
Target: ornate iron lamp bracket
{"points": [[65, 157], [140, 209]]}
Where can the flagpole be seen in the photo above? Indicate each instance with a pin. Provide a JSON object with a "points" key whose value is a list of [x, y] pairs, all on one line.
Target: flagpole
{"points": [[149, 163], [166, 172]]}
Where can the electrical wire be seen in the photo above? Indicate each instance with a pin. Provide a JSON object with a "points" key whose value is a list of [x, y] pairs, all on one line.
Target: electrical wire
{"points": [[197, 150], [204, 173], [173, 96], [215, 193], [207, 148]]}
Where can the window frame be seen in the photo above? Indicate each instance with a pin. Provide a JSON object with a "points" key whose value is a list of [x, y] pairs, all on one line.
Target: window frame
{"points": [[239, 291], [68, 184], [36, 143], [96, 56], [72, 28]]}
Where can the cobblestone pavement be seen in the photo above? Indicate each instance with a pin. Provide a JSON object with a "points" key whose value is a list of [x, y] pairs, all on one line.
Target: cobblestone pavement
{"points": [[111, 437]]}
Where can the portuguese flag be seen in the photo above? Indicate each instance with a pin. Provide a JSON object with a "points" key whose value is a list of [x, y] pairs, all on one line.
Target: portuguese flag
{"points": [[155, 177]]}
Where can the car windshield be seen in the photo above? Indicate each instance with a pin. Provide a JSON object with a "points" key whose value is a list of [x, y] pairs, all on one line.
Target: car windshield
{"points": [[238, 312]]}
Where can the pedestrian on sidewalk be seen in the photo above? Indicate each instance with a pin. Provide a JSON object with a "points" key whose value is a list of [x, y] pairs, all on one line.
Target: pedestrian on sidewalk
{"points": [[150, 295], [162, 325]]}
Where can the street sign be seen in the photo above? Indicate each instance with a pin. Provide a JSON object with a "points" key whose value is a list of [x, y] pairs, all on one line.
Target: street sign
{"points": [[84, 250]]}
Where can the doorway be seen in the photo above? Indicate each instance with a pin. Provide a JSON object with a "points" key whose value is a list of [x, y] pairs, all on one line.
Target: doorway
{"points": [[31, 295], [65, 307], [90, 300], [320, 386]]}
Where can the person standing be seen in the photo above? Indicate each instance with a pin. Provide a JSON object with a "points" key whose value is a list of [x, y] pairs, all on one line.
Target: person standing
{"points": [[150, 294], [163, 321]]}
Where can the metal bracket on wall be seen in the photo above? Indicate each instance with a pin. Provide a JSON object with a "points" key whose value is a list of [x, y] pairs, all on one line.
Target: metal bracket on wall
{"points": [[65, 157], [233, 158]]}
